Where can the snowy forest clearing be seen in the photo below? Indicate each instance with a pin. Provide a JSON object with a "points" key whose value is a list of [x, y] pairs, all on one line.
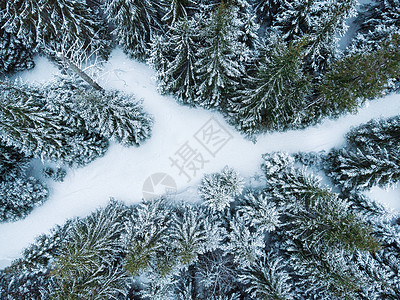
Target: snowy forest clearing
{"points": [[122, 171]]}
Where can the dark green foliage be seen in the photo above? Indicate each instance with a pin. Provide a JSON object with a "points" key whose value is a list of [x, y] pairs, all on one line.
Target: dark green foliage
{"points": [[274, 98], [85, 265], [313, 214], [358, 77], [54, 24]]}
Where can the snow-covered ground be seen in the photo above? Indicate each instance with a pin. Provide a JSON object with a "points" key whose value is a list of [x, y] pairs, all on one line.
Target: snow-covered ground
{"points": [[122, 171]]}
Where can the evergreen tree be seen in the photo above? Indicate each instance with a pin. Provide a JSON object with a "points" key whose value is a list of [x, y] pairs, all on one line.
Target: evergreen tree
{"points": [[51, 25], [19, 197], [357, 77], [314, 215], [259, 212], [218, 190], [246, 245], [365, 168], [274, 97], [35, 131], [267, 10], [179, 10], [178, 75], [378, 22], [323, 37], [111, 114], [297, 19], [267, 279], [85, 265], [135, 23], [218, 61], [12, 163], [145, 235], [14, 56]]}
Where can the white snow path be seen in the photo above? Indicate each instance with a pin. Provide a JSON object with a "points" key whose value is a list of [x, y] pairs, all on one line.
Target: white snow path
{"points": [[122, 171]]}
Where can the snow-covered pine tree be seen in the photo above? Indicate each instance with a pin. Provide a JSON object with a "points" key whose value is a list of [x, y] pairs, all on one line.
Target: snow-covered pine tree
{"points": [[111, 114], [188, 233], [297, 19], [145, 235], [246, 245], [359, 76], [323, 39], [14, 56], [362, 169], [267, 10], [323, 273], [218, 190], [179, 10], [13, 163], [86, 264], [50, 24], [273, 99], [19, 197], [178, 75], [219, 62], [259, 212], [313, 214], [35, 131], [378, 21], [267, 278], [136, 21], [248, 24], [384, 133]]}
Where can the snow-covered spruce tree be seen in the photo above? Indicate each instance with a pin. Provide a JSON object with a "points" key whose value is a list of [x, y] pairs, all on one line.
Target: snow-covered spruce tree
{"points": [[189, 233], [273, 99], [323, 38], [259, 212], [218, 190], [313, 214], [323, 273], [19, 197], [175, 60], [145, 235], [110, 114], [383, 133], [48, 24], [362, 169], [378, 21], [136, 21], [297, 19], [245, 244], [219, 61], [357, 77], [37, 132], [216, 275], [86, 264], [248, 24], [178, 10], [14, 56], [267, 278], [267, 10], [13, 163]]}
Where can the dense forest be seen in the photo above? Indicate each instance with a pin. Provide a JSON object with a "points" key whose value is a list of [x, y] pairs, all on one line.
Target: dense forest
{"points": [[306, 231]]}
